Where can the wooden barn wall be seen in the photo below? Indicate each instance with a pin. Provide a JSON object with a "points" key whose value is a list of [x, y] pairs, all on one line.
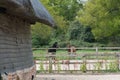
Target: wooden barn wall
{"points": [[15, 44]]}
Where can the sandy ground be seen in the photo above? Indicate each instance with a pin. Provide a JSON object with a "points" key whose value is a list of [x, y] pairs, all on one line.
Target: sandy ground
{"points": [[79, 77]]}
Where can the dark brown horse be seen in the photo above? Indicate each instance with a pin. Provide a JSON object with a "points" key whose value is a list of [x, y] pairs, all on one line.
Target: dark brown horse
{"points": [[52, 50]]}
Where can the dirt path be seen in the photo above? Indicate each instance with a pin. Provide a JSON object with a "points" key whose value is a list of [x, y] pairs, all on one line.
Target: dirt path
{"points": [[78, 77]]}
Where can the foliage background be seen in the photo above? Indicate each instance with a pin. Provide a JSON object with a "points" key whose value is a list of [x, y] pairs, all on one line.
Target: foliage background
{"points": [[93, 23]]}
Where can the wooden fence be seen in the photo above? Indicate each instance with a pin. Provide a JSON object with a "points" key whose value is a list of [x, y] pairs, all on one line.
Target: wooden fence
{"points": [[95, 61]]}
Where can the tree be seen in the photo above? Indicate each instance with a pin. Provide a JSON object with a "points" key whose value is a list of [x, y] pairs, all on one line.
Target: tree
{"points": [[57, 34], [39, 35], [66, 8], [79, 32], [103, 16]]}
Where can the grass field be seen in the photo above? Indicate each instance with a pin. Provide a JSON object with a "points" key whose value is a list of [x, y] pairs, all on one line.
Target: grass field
{"points": [[78, 51], [41, 54]]}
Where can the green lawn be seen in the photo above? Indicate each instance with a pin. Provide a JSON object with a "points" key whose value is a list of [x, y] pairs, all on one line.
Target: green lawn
{"points": [[37, 53], [78, 51]]}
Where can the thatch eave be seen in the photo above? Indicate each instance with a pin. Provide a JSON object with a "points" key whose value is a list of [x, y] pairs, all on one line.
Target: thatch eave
{"points": [[30, 10]]}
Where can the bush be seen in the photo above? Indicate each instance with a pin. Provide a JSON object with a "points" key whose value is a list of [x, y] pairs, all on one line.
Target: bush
{"points": [[83, 67], [41, 67], [113, 67]]}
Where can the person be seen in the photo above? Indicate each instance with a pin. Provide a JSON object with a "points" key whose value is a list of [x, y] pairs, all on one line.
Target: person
{"points": [[71, 51], [52, 50]]}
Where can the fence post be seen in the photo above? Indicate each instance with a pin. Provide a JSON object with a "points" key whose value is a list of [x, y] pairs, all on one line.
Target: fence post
{"points": [[84, 67], [97, 52], [117, 56], [50, 63]]}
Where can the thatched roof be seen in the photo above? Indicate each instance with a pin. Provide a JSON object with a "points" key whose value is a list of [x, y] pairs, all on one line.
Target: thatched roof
{"points": [[31, 10]]}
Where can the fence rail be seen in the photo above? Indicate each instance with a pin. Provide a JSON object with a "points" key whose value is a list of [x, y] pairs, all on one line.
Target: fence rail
{"points": [[95, 61], [83, 48]]}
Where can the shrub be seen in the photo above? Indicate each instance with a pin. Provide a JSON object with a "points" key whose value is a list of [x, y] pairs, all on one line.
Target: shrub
{"points": [[83, 67], [41, 67], [113, 67], [98, 66]]}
